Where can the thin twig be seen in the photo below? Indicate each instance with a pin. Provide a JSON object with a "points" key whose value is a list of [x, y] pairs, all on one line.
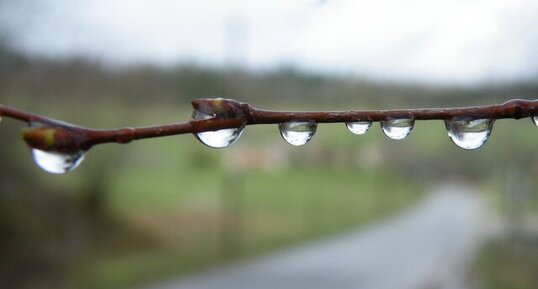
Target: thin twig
{"points": [[227, 113]]}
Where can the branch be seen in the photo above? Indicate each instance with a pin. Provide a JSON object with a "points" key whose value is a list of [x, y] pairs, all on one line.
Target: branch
{"points": [[52, 135]]}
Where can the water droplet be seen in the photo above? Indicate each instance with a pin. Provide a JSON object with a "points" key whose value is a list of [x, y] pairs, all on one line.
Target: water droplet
{"points": [[358, 127], [216, 139], [535, 120], [469, 134], [397, 128], [220, 138], [297, 133], [57, 163]]}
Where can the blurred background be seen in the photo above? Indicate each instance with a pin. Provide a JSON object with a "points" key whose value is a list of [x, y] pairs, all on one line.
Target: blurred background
{"points": [[161, 211]]}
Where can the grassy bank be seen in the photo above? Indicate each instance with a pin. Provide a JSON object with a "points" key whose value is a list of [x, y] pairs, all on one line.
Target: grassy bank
{"points": [[507, 264]]}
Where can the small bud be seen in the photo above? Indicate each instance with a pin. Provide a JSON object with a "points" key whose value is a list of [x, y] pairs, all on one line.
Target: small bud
{"points": [[218, 113], [221, 107], [57, 139]]}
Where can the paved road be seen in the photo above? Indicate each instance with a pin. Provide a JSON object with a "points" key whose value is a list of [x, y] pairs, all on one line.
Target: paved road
{"points": [[428, 246]]}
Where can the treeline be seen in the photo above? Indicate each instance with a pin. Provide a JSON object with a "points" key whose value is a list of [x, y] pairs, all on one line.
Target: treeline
{"points": [[82, 78]]}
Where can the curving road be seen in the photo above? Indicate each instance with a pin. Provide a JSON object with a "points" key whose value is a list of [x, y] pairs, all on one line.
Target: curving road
{"points": [[426, 247]]}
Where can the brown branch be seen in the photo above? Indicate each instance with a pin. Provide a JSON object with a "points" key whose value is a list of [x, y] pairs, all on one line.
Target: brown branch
{"points": [[54, 135]]}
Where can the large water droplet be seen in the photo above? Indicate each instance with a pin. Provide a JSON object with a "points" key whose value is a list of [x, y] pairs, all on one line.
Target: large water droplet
{"points": [[535, 120], [358, 127], [397, 128], [57, 163], [297, 133], [469, 134], [219, 138]]}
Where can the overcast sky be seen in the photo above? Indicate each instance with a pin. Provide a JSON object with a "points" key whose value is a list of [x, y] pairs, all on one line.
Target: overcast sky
{"points": [[430, 41]]}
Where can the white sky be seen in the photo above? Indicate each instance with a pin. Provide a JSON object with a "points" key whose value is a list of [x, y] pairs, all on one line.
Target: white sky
{"points": [[429, 41]]}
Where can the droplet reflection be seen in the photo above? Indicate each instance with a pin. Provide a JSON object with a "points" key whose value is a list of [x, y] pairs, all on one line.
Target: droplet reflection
{"points": [[358, 127], [57, 163], [397, 128], [297, 133], [469, 134]]}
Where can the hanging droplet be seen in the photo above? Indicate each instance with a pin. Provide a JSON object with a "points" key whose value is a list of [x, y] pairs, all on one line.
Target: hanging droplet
{"points": [[397, 128], [219, 138], [535, 120], [57, 163], [469, 134], [297, 133], [358, 127]]}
